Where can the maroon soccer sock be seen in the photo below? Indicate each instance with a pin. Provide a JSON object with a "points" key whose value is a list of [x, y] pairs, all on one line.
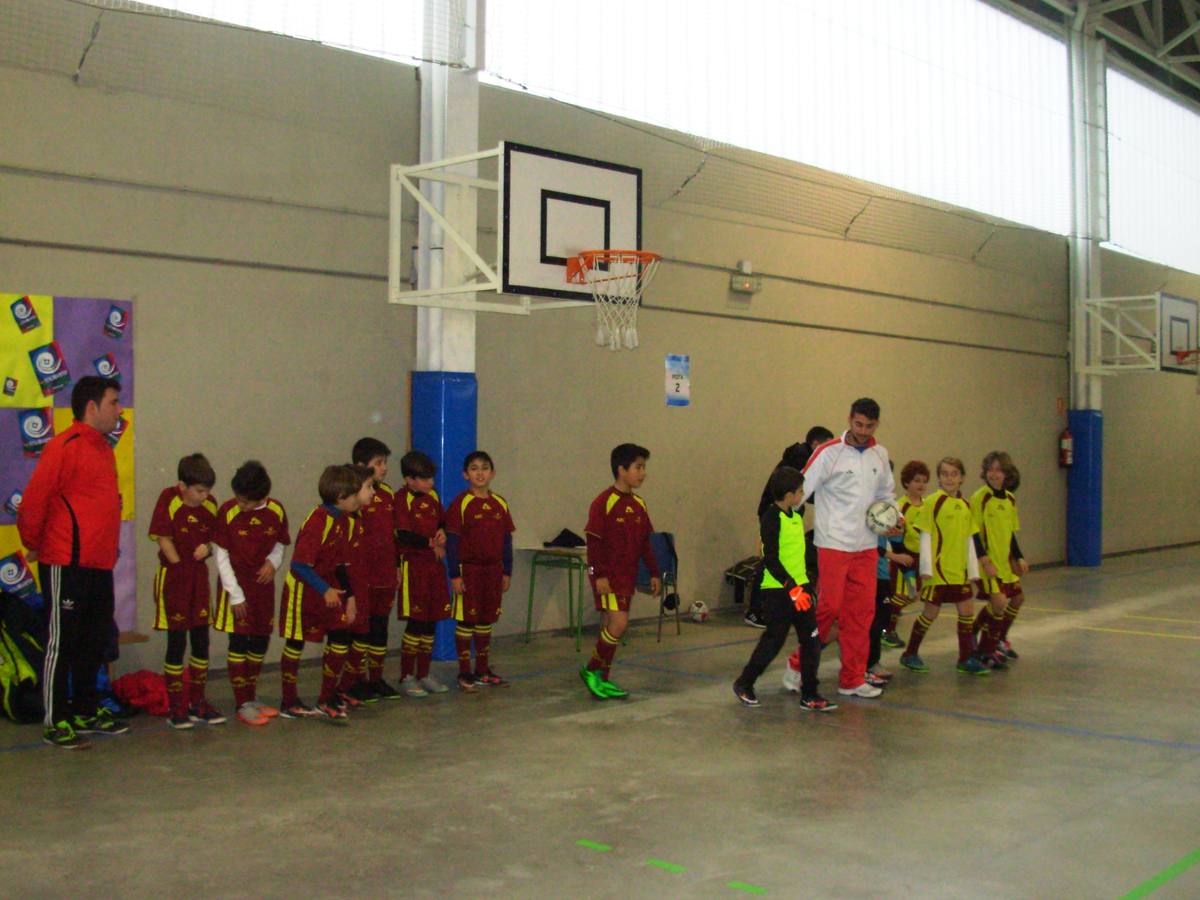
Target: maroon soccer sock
{"points": [[176, 700], [425, 656], [332, 662], [197, 680], [254, 664], [236, 664], [602, 656], [983, 619], [289, 671], [897, 603], [483, 644], [1010, 615], [919, 630], [353, 666], [462, 647], [375, 658], [966, 638], [410, 645]]}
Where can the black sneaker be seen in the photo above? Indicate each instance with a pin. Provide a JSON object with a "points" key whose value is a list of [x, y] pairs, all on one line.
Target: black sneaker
{"points": [[745, 694], [101, 723], [384, 691], [754, 620], [62, 735], [364, 693]]}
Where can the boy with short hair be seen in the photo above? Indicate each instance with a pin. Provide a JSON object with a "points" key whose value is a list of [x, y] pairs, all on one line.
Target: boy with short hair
{"points": [[618, 533], [479, 556], [182, 525], [375, 567], [995, 510], [251, 532], [914, 479], [786, 597], [423, 598], [312, 608]]}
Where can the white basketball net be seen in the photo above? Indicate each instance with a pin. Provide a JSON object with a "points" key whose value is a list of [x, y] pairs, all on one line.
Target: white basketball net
{"points": [[617, 292]]}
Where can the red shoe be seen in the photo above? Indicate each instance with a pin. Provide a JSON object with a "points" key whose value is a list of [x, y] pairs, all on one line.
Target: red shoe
{"points": [[249, 715], [334, 714], [263, 710], [348, 701], [491, 679]]}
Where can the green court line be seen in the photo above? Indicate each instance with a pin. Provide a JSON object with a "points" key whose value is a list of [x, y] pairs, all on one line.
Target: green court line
{"points": [[592, 845], [1167, 874], [663, 864], [747, 888]]}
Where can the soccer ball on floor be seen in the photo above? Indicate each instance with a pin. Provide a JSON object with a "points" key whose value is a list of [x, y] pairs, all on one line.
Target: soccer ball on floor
{"points": [[698, 611], [883, 516]]}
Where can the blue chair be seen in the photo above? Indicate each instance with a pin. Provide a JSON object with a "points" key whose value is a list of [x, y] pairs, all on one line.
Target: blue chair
{"points": [[663, 545]]}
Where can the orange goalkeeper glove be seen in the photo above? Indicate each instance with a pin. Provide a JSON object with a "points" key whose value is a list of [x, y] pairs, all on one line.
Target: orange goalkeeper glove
{"points": [[801, 598]]}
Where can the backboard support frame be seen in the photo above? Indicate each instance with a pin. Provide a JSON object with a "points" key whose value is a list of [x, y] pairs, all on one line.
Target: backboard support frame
{"points": [[1133, 333]]}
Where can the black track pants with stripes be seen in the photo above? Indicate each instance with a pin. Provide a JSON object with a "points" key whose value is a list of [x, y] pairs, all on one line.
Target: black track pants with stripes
{"points": [[79, 607]]}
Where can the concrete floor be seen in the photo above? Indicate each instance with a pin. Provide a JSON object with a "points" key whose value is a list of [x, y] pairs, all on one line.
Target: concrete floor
{"points": [[1076, 774]]}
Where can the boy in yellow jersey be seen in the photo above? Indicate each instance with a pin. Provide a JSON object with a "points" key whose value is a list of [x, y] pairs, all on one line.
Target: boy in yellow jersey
{"points": [[1002, 563], [948, 565], [903, 555]]}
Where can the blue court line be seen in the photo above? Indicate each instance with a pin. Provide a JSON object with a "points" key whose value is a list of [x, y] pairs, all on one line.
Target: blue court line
{"points": [[625, 664]]}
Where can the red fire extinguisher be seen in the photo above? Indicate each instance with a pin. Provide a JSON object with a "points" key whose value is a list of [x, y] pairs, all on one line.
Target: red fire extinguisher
{"points": [[1066, 449]]}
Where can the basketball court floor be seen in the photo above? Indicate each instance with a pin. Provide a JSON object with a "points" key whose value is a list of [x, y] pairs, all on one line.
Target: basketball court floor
{"points": [[1075, 774]]}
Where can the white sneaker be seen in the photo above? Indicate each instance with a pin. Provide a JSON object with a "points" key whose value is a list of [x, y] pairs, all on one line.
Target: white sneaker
{"points": [[863, 690], [410, 687], [433, 686], [791, 679]]}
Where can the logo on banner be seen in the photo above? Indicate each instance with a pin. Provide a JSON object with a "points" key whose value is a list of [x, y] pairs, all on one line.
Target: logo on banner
{"points": [[114, 436], [13, 503], [50, 368], [106, 366], [37, 427], [10, 386], [117, 322], [15, 576], [25, 314]]}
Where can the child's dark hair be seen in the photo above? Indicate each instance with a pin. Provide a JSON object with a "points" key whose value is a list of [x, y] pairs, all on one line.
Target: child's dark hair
{"points": [[480, 455], [365, 472], [952, 461], [415, 464], [783, 481], [865, 406], [1012, 480], [911, 470], [366, 449], [818, 433], [251, 481], [625, 455], [195, 469], [90, 389], [997, 456], [338, 483]]}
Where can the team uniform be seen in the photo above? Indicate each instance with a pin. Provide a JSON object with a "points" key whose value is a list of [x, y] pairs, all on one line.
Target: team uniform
{"points": [[424, 596], [903, 576], [373, 571], [618, 534], [996, 518], [479, 550], [948, 564]]}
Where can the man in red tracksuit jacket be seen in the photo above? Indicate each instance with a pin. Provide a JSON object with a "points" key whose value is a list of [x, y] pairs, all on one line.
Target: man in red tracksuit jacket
{"points": [[69, 521]]}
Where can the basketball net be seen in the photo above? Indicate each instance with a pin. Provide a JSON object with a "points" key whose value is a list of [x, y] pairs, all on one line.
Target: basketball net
{"points": [[617, 279]]}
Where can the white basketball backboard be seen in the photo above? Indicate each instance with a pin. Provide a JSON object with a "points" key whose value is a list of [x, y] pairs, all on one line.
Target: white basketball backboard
{"points": [[1179, 329]]}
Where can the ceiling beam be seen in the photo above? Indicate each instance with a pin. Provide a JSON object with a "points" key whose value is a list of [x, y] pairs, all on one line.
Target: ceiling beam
{"points": [[1178, 39]]}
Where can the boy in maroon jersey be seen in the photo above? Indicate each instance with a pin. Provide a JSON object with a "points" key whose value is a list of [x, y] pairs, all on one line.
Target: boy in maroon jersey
{"points": [[182, 525], [313, 609], [618, 533], [359, 626], [251, 532], [479, 555], [375, 566], [423, 598]]}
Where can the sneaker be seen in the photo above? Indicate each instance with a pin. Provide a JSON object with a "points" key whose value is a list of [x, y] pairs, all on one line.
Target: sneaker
{"points": [[335, 714], [64, 736], [349, 701], [892, 641], [205, 712], [612, 691], [971, 666], [1006, 647], [877, 680], [249, 715], [410, 687], [433, 686], [996, 661], [383, 690], [263, 710], [791, 679], [817, 703], [466, 681], [180, 723], [491, 678], [863, 690], [914, 662], [298, 710], [745, 694], [364, 693], [592, 679], [101, 723], [753, 619]]}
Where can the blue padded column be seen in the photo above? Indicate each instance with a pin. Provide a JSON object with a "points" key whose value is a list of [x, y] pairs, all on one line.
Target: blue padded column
{"points": [[1085, 488], [444, 426]]}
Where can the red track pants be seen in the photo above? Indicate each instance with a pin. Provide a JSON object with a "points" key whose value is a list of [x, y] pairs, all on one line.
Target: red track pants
{"points": [[847, 596]]}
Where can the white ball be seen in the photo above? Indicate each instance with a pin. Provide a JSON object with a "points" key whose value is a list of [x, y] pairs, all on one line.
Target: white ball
{"points": [[883, 516], [698, 611]]}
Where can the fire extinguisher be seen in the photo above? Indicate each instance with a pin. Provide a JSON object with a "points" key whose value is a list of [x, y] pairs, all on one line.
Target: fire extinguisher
{"points": [[1066, 449]]}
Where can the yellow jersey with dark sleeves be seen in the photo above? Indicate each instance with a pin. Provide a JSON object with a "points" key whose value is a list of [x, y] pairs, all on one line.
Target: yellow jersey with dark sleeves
{"points": [[995, 514], [912, 537], [949, 523]]}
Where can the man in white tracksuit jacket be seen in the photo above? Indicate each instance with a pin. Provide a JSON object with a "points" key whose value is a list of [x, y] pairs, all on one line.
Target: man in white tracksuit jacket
{"points": [[844, 476]]}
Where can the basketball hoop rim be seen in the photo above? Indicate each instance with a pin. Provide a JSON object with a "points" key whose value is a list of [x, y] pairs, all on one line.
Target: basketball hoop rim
{"points": [[579, 265], [1182, 356]]}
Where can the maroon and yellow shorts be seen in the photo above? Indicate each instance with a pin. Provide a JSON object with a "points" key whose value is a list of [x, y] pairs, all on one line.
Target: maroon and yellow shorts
{"points": [[381, 600], [424, 595], [480, 601], [611, 602], [989, 585], [181, 596], [304, 615], [937, 594], [260, 613]]}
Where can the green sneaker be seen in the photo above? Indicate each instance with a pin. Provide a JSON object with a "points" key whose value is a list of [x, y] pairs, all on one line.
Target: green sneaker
{"points": [[972, 666], [101, 723], [892, 640], [914, 662], [594, 682], [612, 691], [62, 735]]}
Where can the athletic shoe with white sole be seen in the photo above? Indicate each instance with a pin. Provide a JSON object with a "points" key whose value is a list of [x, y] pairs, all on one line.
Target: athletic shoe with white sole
{"points": [[745, 694], [817, 703], [864, 690], [63, 736], [433, 686], [410, 687]]}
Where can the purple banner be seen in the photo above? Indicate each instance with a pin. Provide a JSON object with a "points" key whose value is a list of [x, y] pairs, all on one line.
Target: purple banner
{"points": [[15, 466], [84, 328]]}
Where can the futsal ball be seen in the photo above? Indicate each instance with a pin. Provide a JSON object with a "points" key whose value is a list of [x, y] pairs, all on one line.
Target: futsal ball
{"points": [[883, 516], [698, 611]]}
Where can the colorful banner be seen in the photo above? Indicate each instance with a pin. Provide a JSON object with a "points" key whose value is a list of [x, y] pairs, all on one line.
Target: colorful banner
{"points": [[46, 343]]}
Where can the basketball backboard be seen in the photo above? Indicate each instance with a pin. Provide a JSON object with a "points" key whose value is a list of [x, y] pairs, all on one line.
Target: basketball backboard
{"points": [[1179, 329]]}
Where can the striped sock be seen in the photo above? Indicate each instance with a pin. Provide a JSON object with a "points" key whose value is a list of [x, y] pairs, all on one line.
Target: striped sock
{"points": [[462, 647], [375, 658], [332, 662], [176, 701], [289, 670], [236, 663], [254, 664], [966, 638], [197, 680], [1010, 615], [483, 644], [352, 669], [897, 603], [983, 619], [410, 646], [919, 630], [602, 656], [425, 656]]}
